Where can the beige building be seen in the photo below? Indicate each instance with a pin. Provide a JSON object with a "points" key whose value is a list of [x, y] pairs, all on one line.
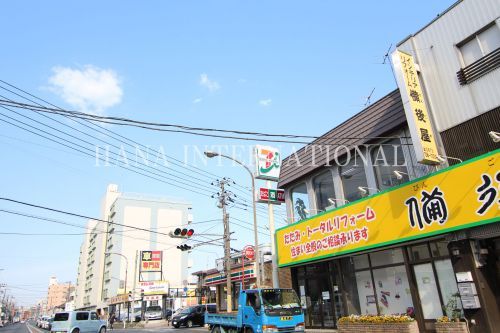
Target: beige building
{"points": [[58, 293]]}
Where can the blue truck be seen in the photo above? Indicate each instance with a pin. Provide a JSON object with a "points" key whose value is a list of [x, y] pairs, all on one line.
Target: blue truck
{"points": [[261, 311]]}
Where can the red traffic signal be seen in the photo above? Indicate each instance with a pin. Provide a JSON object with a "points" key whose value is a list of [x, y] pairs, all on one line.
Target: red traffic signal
{"points": [[182, 233]]}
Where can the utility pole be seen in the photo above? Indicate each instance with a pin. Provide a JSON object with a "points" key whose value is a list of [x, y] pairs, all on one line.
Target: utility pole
{"points": [[224, 198]]}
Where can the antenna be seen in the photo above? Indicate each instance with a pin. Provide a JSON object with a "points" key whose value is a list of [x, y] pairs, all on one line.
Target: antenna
{"points": [[368, 99], [386, 55]]}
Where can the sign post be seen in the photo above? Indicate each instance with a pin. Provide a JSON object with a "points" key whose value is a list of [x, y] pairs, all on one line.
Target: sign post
{"points": [[249, 253]]}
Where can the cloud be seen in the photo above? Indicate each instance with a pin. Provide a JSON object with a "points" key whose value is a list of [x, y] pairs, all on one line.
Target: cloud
{"points": [[265, 102], [90, 89], [197, 100], [211, 85]]}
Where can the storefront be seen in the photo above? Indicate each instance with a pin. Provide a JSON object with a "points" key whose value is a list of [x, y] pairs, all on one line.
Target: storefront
{"points": [[428, 247]]}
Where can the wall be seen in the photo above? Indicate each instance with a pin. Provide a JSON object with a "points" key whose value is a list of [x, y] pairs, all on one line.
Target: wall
{"points": [[434, 49]]}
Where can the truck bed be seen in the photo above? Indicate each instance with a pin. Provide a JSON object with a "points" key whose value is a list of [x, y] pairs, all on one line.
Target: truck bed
{"points": [[223, 319]]}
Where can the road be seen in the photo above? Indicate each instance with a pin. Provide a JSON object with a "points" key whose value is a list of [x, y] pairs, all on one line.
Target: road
{"points": [[15, 328], [23, 328]]}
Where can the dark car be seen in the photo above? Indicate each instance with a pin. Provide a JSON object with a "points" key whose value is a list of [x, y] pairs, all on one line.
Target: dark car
{"points": [[193, 315]]}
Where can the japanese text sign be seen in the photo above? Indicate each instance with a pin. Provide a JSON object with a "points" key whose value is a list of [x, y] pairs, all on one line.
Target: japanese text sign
{"points": [[267, 163], [268, 195], [151, 261], [458, 197], [417, 116]]}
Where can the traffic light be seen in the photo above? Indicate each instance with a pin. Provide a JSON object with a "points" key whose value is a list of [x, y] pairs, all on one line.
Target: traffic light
{"points": [[181, 233], [184, 247]]}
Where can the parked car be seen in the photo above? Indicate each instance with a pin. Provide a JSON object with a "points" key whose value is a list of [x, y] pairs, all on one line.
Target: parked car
{"points": [[194, 315], [78, 321], [153, 312], [47, 324], [42, 321]]}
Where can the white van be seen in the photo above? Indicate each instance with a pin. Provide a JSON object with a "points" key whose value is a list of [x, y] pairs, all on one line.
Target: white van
{"points": [[78, 322]]}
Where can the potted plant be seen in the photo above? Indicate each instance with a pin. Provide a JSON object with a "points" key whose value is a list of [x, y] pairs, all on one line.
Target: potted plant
{"points": [[450, 322], [374, 323]]}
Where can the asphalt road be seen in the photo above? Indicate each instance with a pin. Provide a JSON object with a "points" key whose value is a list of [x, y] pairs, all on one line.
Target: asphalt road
{"points": [[15, 328]]}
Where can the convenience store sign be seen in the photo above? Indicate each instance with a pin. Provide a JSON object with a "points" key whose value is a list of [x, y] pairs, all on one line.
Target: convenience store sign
{"points": [[458, 197]]}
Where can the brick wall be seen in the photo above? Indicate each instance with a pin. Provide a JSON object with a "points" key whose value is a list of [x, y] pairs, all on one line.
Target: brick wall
{"points": [[451, 327], [378, 328], [285, 277]]}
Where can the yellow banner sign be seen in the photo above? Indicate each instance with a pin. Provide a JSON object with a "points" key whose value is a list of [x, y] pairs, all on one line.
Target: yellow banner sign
{"points": [[458, 197], [417, 116]]}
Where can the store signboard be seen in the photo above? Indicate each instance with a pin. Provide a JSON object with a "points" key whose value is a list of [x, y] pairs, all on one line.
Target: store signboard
{"points": [[267, 163], [154, 287], [268, 195], [151, 261], [419, 122], [458, 197]]}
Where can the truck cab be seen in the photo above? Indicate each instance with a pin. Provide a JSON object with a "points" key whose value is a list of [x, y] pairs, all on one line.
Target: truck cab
{"points": [[261, 311]]}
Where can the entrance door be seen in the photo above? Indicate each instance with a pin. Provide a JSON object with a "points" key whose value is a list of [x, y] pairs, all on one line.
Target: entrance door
{"points": [[319, 307]]}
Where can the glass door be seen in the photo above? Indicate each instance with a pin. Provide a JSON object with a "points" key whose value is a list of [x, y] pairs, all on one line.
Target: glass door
{"points": [[428, 291], [320, 307]]}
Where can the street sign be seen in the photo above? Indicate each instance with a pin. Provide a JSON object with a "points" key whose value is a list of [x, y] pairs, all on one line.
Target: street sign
{"points": [[249, 252], [267, 195]]}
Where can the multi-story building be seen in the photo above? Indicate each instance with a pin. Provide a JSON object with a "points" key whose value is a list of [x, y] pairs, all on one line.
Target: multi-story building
{"points": [[109, 265], [377, 229], [58, 293]]}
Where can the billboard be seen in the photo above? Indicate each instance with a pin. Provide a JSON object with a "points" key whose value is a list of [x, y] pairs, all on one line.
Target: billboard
{"points": [[417, 117], [154, 287], [458, 197], [267, 163], [151, 261]]}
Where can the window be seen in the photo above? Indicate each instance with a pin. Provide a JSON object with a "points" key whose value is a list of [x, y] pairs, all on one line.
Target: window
{"points": [[82, 316], [481, 44], [353, 176], [93, 316], [389, 164], [324, 191], [300, 201]]}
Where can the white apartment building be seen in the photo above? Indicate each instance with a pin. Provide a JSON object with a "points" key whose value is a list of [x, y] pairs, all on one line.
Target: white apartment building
{"points": [[101, 276]]}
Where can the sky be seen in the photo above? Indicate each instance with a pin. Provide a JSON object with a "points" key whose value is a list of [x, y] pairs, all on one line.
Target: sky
{"points": [[295, 67]]}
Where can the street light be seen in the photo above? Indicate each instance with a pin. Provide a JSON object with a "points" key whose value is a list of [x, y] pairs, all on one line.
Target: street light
{"points": [[211, 154], [126, 273]]}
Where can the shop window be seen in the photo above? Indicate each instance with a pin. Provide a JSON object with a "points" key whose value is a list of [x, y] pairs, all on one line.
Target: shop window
{"points": [[448, 284], [393, 290], [387, 257], [366, 294], [428, 291], [481, 44], [353, 176], [324, 191], [419, 252], [300, 201], [389, 164], [439, 249], [361, 261]]}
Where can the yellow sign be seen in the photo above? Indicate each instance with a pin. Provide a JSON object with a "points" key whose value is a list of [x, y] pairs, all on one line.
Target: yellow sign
{"points": [[417, 116], [461, 196]]}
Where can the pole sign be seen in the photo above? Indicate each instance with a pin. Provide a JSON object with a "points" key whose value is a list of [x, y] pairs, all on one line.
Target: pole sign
{"points": [[417, 117], [268, 195], [151, 261], [249, 252], [267, 163], [462, 196]]}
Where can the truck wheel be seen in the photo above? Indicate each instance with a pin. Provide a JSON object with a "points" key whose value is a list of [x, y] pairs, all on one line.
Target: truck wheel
{"points": [[216, 329], [248, 330]]}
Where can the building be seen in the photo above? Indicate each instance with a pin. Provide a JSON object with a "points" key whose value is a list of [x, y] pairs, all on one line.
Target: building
{"points": [[211, 286], [375, 231], [458, 57], [58, 293], [114, 271]]}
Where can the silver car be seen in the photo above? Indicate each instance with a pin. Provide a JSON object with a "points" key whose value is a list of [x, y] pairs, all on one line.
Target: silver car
{"points": [[78, 322]]}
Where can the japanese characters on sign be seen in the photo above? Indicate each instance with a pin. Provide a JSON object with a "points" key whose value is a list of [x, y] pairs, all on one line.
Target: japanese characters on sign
{"points": [[151, 261], [267, 163], [268, 195], [458, 197], [417, 116]]}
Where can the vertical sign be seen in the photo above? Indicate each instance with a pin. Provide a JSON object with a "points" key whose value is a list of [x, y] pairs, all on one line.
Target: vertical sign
{"points": [[267, 163], [417, 116]]}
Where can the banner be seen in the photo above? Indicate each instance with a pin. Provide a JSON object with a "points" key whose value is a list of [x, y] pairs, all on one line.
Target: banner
{"points": [[459, 197], [417, 117], [151, 261]]}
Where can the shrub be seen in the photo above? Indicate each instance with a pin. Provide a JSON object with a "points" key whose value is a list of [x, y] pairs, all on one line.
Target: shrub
{"points": [[376, 319]]}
